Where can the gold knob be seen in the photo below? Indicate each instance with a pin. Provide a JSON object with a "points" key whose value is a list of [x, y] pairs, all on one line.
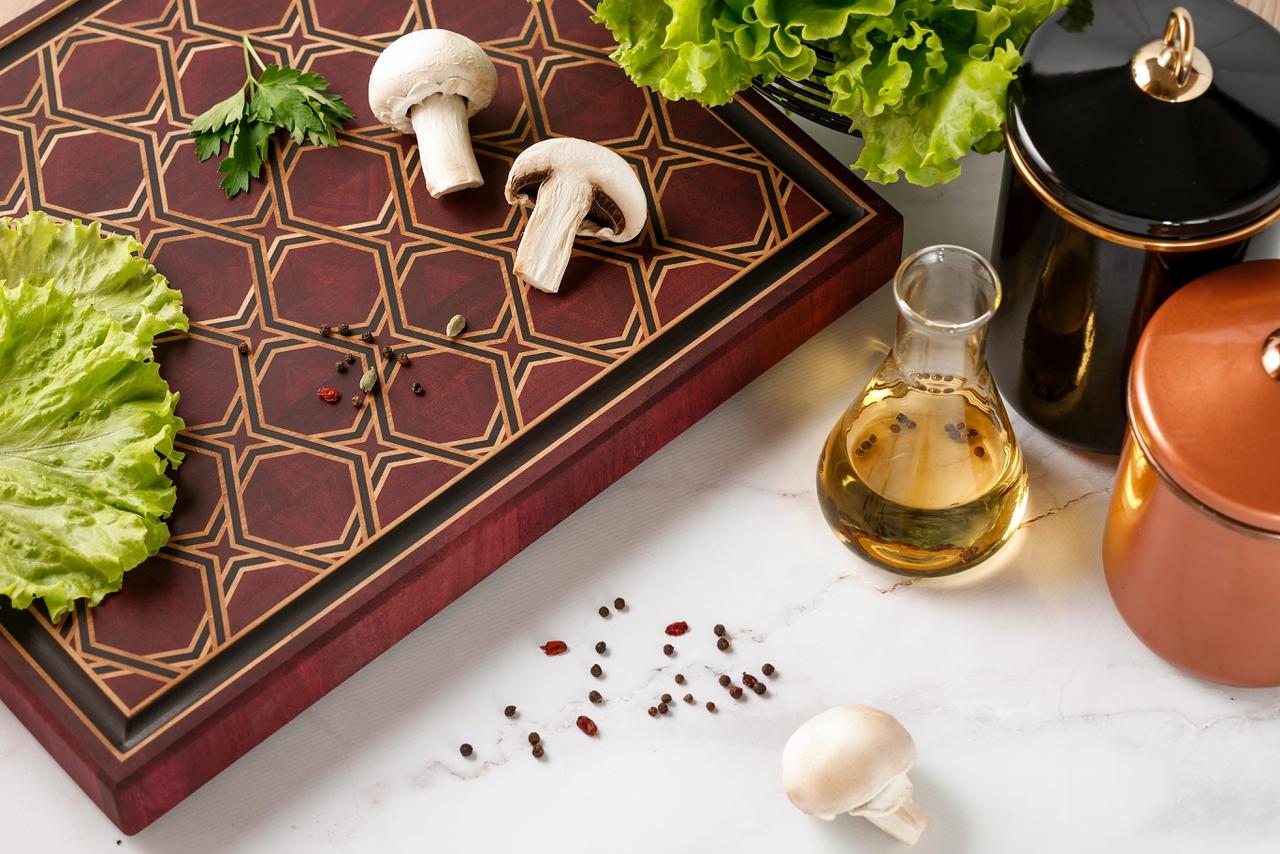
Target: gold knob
{"points": [[1172, 68]]}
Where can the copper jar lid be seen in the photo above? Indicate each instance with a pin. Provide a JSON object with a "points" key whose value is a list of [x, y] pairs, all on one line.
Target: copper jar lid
{"points": [[1204, 392]]}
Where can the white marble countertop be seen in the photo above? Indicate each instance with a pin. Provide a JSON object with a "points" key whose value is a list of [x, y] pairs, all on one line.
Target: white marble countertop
{"points": [[1042, 724]]}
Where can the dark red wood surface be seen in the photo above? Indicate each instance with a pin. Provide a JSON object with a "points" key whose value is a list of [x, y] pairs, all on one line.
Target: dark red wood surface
{"points": [[310, 538]]}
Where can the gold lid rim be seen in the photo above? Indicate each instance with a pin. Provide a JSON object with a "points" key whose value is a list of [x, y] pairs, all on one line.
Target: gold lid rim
{"points": [[1135, 241]]}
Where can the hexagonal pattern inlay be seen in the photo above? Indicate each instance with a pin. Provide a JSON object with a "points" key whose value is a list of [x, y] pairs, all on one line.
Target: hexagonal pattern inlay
{"points": [[280, 488]]}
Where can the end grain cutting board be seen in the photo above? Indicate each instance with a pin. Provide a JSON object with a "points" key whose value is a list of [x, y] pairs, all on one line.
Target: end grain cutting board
{"points": [[309, 538]]}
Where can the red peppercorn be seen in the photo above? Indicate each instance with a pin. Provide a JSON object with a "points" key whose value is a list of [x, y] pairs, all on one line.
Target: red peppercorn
{"points": [[587, 725], [328, 394], [677, 629], [554, 647]]}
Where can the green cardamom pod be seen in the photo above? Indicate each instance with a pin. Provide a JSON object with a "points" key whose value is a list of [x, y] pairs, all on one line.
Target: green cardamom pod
{"points": [[457, 323], [369, 381]]}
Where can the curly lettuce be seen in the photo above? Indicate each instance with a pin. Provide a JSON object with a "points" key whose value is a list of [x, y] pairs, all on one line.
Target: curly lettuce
{"points": [[87, 428], [923, 81]]}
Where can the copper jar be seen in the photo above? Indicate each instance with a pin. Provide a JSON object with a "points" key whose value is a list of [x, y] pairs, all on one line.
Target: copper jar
{"points": [[1192, 545]]}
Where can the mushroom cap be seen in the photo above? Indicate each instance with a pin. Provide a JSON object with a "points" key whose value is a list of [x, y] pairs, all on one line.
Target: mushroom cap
{"points": [[618, 212], [842, 758], [424, 63]]}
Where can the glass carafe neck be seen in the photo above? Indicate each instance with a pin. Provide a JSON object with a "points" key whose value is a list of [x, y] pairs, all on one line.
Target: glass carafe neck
{"points": [[946, 295]]}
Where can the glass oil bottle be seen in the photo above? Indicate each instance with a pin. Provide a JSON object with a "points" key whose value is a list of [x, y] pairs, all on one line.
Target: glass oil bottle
{"points": [[922, 474]]}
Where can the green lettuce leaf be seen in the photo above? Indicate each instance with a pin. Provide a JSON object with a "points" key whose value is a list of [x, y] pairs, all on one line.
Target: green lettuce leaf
{"points": [[924, 81], [106, 269], [87, 427]]}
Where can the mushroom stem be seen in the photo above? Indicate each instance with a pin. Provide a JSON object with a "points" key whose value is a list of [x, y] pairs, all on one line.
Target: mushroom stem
{"points": [[444, 145], [561, 206], [904, 824]]}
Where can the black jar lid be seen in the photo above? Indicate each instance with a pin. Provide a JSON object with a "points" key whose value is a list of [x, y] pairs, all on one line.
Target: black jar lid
{"points": [[1192, 159]]}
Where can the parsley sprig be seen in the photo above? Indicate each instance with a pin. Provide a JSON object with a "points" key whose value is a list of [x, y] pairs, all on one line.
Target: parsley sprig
{"points": [[280, 98]]}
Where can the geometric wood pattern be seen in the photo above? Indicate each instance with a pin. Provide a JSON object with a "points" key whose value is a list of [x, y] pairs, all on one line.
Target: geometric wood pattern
{"points": [[288, 507]]}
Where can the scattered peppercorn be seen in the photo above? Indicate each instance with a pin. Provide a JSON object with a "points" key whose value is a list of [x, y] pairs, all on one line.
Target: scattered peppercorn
{"points": [[538, 751], [768, 669], [653, 711], [749, 680], [603, 611], [509, 711], [979, 451], [344, 328], [328, 394], [711, 707], [340, 366], [325, 330], [666, 698], [735, 692], [595, 697], [465, 750], [895, 428], [357, 401], [619, 603], [719, 630], [722, 644], [973, 434], [601, 646], [759, 688], [554, 647], [679, 678], [387, 352], [688, 698], [596, 671], [677, 628], [416, 388], [349, 359], [725, 680], [668, 649], [534, 738], [911, 425], [243, 347], [402, 358], [662, 708], [859, 452], [366, 336]]}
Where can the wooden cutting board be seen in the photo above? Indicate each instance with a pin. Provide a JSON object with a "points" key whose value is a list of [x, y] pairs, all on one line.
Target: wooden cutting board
{"points": [[308, 538]]}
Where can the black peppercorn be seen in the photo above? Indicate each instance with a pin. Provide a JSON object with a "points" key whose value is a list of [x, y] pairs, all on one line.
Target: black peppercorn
{"points": [[366, 336], [668, 649], [722, 644], [595, 697], [534, 738], [679, 678], [465, 750], [748, 680], [349, 359], [340, 367], [979, 451], [894, 428], [402, 358], [416, 388], [759, 688], [688, 698], [596, 671], [662, 708], [603, 611], [666, 698], [768, 669], [719, 630], [735, 692], [344, 328], [538, 751], [325, 330], [509, 711], [619, 603], [356, 401], [653, 711], [243, 347], [711, 707], [601, 647], [725, 680], [387, 352]]}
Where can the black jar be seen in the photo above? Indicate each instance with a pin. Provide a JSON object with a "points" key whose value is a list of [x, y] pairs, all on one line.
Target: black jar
{"points": [[1144, 152]]}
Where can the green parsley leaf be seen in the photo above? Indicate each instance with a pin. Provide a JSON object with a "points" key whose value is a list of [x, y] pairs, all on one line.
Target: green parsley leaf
{"points": [[281, 99]]}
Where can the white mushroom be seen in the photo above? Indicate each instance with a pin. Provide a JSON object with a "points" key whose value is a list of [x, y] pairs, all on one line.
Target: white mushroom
{"points": [[430, 82], [854, 759], [575, 188]]}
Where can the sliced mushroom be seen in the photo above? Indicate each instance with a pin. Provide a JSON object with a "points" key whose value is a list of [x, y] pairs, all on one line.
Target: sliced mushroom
{"points": [[854, 759], [430, 82], [575, 188]]}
